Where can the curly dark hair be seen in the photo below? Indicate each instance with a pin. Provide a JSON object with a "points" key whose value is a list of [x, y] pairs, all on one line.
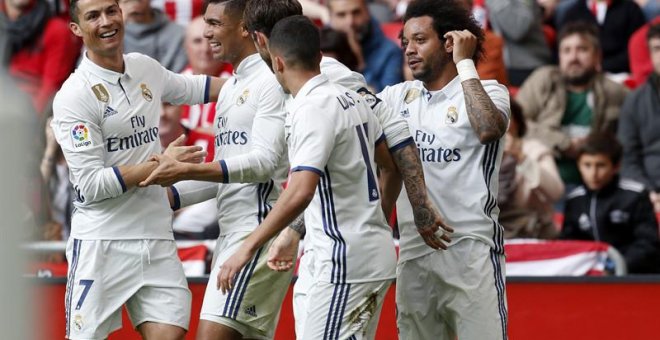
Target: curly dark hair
{"points": [[447, 15]]}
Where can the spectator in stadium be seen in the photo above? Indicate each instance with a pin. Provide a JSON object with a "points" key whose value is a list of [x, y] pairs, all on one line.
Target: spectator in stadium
{"points": [[651, 8], [58, 190], [638, 53], [383, 59], [38, 49], [149, 31], [520, 23], [564, 104], [639, 126], [458, 123], [491, 66], [529, 183], [616, 21], [335, 44], [612, 209], [105, 118]]}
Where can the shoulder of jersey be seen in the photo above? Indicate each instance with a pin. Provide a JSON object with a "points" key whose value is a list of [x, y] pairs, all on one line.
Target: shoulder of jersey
{"points": [[631, 185], [577, 192]]}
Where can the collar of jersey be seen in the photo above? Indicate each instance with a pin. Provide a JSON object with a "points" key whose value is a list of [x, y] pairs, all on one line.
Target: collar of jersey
{"points": [[243, 69], [307, 88], [451, 89], [109, 76]]}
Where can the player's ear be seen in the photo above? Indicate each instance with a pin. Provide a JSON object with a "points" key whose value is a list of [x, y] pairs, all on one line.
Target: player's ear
{"points": [[448, 44], [278, 63], [75, 28]]}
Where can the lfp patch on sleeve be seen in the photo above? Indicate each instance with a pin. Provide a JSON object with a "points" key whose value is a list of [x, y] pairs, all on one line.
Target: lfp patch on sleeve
{"points": [[81, 136]]}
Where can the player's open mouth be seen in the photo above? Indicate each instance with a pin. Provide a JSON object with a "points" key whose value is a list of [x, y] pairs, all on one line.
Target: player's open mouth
{"points": [[109, 34]]}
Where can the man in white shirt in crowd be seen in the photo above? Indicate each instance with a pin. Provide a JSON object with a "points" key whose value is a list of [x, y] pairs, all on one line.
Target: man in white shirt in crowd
{"points": [[121, 248], [458, 123]]}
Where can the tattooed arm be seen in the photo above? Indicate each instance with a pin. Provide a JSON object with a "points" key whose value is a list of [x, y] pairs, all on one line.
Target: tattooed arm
{"points": [[488, 122], [427, 219]]}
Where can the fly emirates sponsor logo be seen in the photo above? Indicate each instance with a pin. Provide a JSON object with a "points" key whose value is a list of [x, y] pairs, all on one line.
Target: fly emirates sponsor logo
{"points": [[430, 153], [225, 136], [141, 135]]}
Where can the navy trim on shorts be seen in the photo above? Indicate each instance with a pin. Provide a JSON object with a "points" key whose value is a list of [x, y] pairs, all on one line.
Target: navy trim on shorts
{"points": [[500, 287], [70, 284]]}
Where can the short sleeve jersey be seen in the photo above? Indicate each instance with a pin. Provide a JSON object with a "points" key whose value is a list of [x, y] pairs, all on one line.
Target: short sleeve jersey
{"points": [[331, 131], [395, 128], [249, 137], [461, 173], [104, 119]]}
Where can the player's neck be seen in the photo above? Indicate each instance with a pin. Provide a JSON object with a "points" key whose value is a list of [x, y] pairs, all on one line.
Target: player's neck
{"points": [[297, 79], [245, 52], [113, 63], [446, 75]]}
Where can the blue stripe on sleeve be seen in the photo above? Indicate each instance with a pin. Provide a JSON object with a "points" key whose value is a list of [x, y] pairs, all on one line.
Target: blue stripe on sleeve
{"points": [[308, 168], [177, 199], [402, 145], [207, 90], [225, 171], [121, 179]]}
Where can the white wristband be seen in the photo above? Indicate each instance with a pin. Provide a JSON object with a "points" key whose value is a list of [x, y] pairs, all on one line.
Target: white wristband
{"points": [[467, 70]]}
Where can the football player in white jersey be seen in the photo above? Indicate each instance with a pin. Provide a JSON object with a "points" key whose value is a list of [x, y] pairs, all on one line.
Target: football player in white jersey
{"points": [[121, 249], [250, 162], [260, 17], [458, 123], [332, 138]]}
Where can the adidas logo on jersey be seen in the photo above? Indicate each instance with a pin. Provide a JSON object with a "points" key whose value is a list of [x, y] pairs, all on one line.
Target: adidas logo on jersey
{"points": [[251, 311]]}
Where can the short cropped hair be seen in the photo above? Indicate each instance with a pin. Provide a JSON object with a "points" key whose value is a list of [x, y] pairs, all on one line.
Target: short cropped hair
{"points": [[299, 42], [602, 144], [587, 30], [262, 15], [233, 8], [73, 10], [447, 15]]}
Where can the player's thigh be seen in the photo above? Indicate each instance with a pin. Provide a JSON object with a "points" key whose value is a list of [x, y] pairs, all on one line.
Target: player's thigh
{"points": [[479, 301], [342, 311], [418, 301], [252, 307], [301, 289], [164, 297], [159, 331], [101, 278]]}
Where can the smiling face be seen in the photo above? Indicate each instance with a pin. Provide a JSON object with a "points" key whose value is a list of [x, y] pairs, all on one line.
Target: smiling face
{"points": [[423, 48], [225, 34], [101, 27]]}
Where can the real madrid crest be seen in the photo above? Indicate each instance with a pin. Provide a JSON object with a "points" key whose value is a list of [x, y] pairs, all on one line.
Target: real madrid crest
{"points": [[452, 115], [78, 322], [101, 93], [411, 95], [146, 93], [243, 97]]}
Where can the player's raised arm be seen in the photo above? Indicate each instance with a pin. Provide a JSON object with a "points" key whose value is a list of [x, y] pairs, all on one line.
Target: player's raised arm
{"points": [[488, 122]]}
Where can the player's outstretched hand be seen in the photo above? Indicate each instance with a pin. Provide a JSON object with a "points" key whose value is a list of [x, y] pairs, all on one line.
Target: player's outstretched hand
{"points": [[464, 44], [166, 173], [283, 251], [432, 227], [230, 269], [183, 153]]}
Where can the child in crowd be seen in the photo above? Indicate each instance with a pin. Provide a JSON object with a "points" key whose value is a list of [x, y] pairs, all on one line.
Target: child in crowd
{"points": [[611, 209]]}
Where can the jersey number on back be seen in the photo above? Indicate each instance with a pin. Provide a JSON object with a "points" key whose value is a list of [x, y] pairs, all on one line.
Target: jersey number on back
{"points": [[371, 179]]}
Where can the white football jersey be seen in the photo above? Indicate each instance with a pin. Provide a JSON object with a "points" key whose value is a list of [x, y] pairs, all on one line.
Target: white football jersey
{"points": [[104, 119], [395, 128], [249, 143], [461, 173], [331, 131]]}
